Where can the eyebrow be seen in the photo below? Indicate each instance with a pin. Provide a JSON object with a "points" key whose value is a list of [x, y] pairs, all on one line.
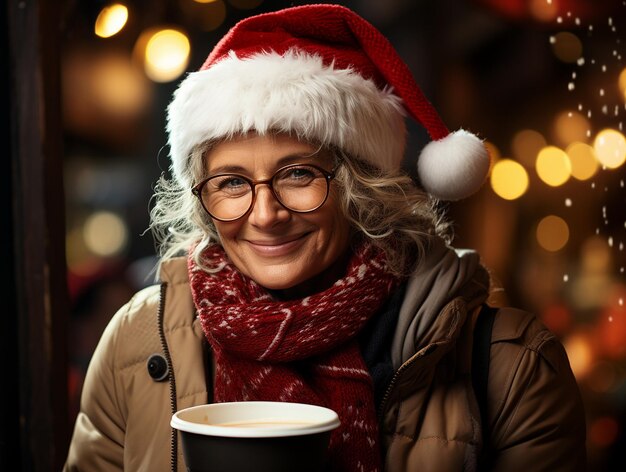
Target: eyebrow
{"points": [[298, 158]]}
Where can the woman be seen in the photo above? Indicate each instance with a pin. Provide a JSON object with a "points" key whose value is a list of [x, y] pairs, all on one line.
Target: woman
{"points": [[314, 271]]}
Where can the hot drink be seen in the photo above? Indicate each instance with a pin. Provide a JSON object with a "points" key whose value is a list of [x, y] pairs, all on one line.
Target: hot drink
{"points": [[255, 436], [266, 424]]}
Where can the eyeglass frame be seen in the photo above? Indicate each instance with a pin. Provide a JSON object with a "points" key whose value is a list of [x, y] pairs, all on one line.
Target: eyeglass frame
{"points": [[328, 176]]}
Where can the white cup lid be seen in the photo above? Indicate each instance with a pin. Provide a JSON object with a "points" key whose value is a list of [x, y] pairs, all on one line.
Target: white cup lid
{"points": [[221, 419]]}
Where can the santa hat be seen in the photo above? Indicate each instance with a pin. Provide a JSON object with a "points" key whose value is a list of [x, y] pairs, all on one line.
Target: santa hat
{"points": [[324, 74]]}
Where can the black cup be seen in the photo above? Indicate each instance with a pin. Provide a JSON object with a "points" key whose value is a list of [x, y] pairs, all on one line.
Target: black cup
{"points": [[255, 437]]}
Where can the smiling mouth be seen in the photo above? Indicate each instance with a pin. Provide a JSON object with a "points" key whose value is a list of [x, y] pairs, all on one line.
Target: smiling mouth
{"points": [[277, 247]]}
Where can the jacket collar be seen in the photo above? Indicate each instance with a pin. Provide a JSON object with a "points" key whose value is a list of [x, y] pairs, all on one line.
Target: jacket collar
{"points": [[174, 271], [444, 275]]}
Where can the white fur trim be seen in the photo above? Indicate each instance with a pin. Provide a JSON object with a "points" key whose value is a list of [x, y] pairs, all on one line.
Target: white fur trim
{"points": [[295, 92], [454, 167]]}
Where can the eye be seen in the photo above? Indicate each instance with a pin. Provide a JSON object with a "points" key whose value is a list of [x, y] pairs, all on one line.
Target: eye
{"points": [[230, 184], [299, 174]]}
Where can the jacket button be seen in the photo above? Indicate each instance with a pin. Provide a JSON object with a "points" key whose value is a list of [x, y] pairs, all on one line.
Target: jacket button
{"points": [[158, 368]]}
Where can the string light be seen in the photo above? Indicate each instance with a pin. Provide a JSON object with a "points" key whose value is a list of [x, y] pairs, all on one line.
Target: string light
{"points": [[583, 160], [553, 166], [570, 126], [166, 54], [509, 179], [552, 233], [526, 144], [566, 47], [610, 148], [111, 20], [105, 234]]}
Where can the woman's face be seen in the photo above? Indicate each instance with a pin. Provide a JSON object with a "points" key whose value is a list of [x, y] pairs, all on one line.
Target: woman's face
{"points": [[278, 248]]}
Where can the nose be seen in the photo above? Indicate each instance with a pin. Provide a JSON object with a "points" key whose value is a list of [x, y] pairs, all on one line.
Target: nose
{"points": [[267, 212]]}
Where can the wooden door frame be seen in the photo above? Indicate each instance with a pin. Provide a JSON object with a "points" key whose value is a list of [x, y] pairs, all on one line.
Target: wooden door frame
{"points": [[35, 427]]}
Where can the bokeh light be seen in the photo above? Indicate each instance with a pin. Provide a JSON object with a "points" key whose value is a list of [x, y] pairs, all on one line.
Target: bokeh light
{"points": [[552, 233], [579, 353], [509, 179], [566, 47], [583, 160], [543, 10], [593, 286], [595, 256], [570, 126], [557, 318], [553, 166], [525, 146], [118, 86], [111, 20], [612, 332], [603, 431], [105, 234], [166, 55], [76, 251], [610, 148]]}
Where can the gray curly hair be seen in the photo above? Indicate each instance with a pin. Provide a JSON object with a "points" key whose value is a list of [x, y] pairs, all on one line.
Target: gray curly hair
{"points": [[386, 208]]}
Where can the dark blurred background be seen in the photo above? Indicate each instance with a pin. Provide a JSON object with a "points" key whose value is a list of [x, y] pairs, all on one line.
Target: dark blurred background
{"points": [[542, 81]]}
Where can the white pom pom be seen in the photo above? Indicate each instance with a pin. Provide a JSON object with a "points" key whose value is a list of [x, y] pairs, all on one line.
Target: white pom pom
{"points": [[454, 167]]}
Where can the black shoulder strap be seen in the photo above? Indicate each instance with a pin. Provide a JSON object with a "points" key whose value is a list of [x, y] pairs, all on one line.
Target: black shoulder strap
{"points": [[481, 353]]}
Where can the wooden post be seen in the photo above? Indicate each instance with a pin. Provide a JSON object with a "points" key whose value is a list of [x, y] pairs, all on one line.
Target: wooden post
{"points": [[38, 237]]}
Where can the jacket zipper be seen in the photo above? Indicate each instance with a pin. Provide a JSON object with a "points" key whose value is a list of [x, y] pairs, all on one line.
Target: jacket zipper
{"points": [[394, 379], [392, 384], [172, 382]]}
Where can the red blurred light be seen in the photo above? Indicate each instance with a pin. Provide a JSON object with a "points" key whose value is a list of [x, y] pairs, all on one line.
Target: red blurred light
{"points": [[557, 318], [603, 431], [611, 332], [583, 9]]}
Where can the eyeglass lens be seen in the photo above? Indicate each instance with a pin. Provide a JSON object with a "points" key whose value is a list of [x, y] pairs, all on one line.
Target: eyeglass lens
{"points": [[299, 188]]}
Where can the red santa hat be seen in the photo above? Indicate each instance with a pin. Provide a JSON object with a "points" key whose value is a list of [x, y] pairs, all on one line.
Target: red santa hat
{"points": [[324, 74]]}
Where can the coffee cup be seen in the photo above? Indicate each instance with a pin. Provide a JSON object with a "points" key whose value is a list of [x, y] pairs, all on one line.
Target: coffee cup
{"points": [[255, 436]]}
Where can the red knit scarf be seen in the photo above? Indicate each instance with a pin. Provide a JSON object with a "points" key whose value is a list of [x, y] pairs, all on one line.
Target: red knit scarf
{"points": [[301, 351]]}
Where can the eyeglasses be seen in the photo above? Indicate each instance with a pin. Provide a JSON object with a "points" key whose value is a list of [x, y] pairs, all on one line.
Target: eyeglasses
{"points": [[298, 187]]}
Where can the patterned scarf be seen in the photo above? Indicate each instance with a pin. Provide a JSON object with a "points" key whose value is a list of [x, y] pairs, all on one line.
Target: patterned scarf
{"points": [[301, 351]]}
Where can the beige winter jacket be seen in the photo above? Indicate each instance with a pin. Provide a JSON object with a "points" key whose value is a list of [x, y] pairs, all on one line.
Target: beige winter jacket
{"points": [[429, 419]]}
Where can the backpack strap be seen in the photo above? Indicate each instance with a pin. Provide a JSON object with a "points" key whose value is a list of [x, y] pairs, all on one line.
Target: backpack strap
{"points": [[481, 353]]}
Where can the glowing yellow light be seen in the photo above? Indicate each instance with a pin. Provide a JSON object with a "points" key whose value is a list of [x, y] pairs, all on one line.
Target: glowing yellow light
{"points": [[205, 1], [579, 354], [583, 160], [571, 126], [553, 166], [105, 234], [111, 20], [610, 148], [118, 86], [595, 256], [622, 83], [167, 55], [552, 233], [75, 250], [526, 145], [567, 47], [245, 4], [543, 10], [509, 179]]}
